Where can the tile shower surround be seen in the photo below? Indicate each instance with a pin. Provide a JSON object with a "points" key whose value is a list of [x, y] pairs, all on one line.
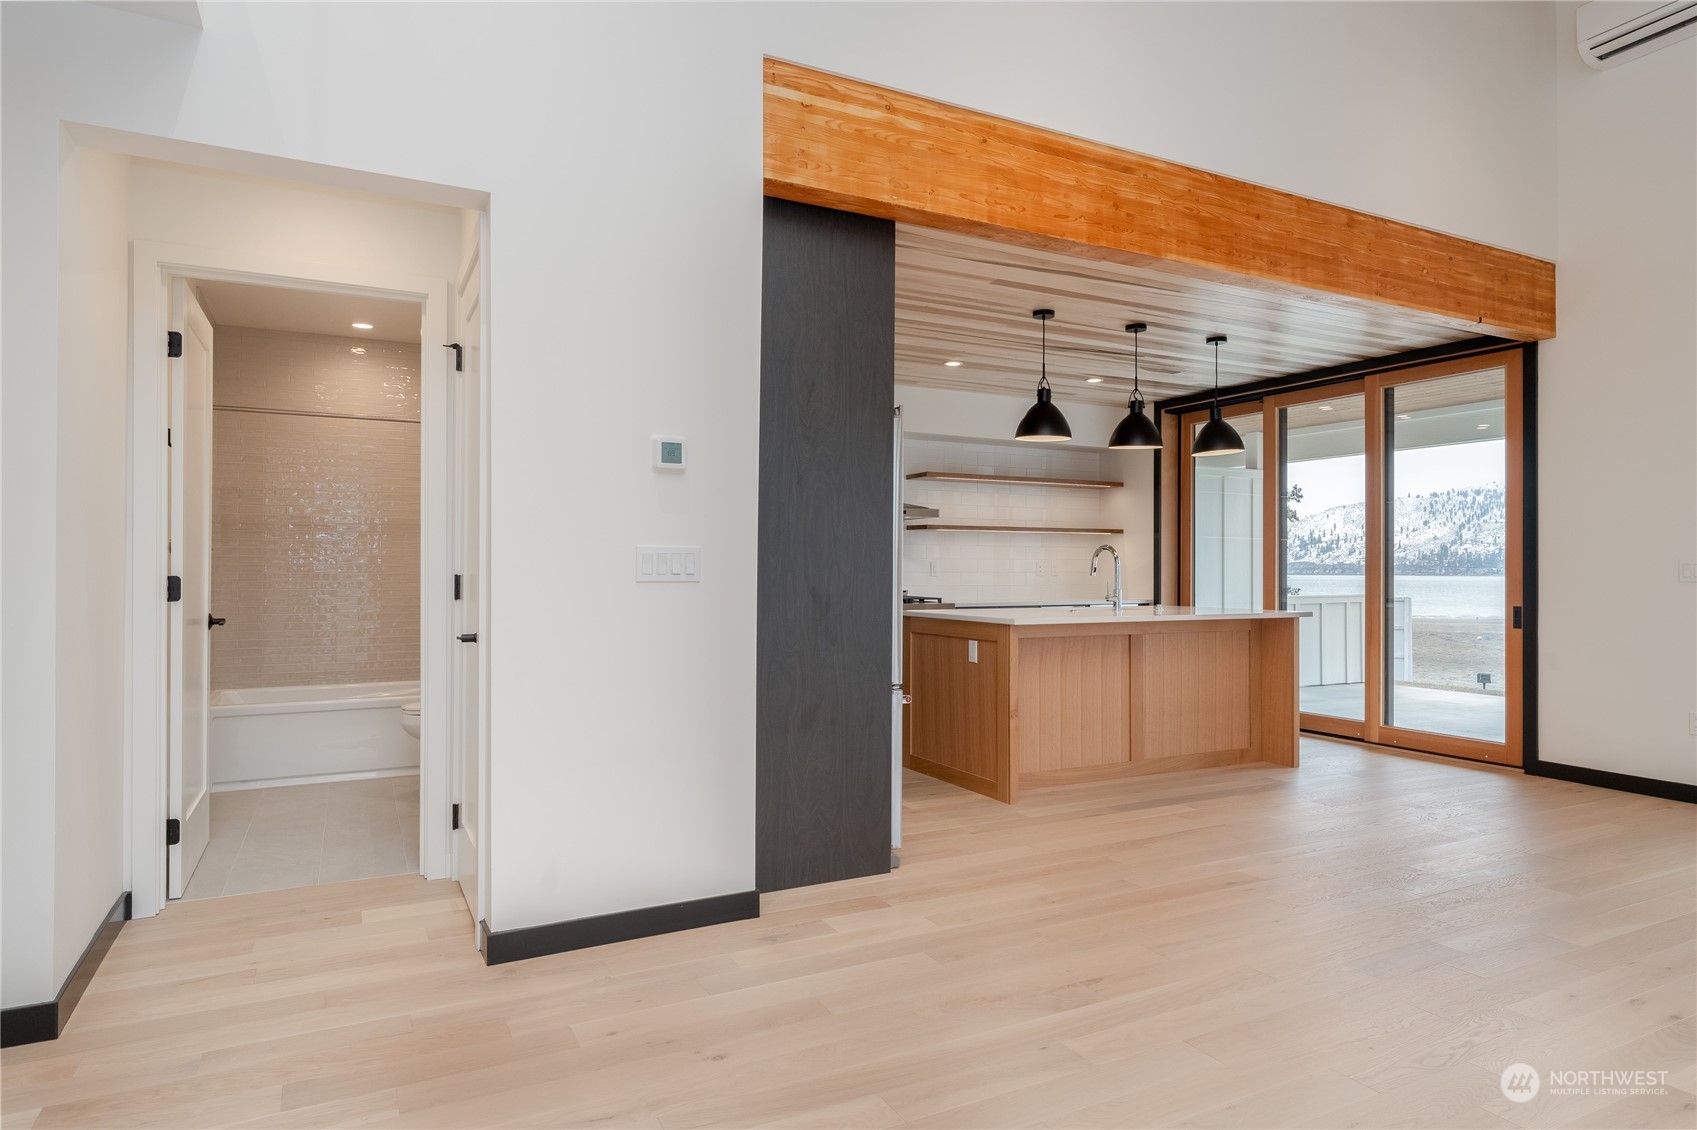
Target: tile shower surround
{"points": [[977, 568], [315, 520]]}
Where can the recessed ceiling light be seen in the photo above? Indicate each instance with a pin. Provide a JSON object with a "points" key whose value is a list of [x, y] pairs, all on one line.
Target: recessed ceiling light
{"points": [[1325, 407], [1402, 415], [1482, 427], [362, 325], [357, 349], [1093, 380], [951, 364]]}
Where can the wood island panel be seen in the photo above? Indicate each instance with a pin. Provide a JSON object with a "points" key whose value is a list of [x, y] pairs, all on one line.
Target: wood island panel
{"points": [[1052, 704], [1074, 702], [1201, 681], [959, 719], [1276, 719]]}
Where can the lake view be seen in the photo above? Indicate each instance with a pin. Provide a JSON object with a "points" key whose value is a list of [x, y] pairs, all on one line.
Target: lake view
{"points": [[1480, 597]]}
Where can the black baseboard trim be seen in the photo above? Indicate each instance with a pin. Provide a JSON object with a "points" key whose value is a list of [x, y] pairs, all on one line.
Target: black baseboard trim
{"points": [[1620, 782], [502, 946], [29, 1024], [34, 1023]]}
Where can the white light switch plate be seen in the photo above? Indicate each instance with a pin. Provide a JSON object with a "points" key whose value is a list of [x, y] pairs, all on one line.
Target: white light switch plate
{"points": [[668, 564], [1688, 572]]}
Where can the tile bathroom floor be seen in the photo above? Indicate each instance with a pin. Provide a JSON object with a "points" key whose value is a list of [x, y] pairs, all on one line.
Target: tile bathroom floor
{"points": [[299, 835]]}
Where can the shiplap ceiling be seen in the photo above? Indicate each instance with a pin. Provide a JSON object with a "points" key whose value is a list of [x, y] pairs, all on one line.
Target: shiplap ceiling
{"points": [[967, 299], [307, 311]]}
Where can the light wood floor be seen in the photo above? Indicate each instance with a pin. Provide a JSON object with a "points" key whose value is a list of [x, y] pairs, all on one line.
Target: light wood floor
{"points": [[1366, 941]]}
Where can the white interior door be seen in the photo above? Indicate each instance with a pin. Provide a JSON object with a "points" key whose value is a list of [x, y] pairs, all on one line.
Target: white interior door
{"points": [[468, 540], [191, 559]]}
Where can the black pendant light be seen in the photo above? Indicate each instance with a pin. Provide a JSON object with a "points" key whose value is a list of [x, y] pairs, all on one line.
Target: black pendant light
{"points": [[1136, 432], [1043, 423], [1216, 437]]}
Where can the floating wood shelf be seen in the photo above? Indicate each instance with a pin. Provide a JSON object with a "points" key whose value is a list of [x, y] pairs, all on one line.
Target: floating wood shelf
{"points": [[1015, 480], [984, 529]]}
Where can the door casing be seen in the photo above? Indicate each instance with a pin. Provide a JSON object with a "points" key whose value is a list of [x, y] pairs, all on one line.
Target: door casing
{"points": [[154, 266]]}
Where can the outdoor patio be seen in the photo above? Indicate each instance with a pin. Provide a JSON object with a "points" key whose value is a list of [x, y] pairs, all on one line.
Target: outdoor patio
{"points": [[1464, 714]]}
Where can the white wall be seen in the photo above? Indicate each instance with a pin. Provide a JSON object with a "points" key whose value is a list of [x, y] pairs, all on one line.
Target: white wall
{"points": [[172, 203], [64, 814], [88, 860], [1618, 410], [626, 273]]}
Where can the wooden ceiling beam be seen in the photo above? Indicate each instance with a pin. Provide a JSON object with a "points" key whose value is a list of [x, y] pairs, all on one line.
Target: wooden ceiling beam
{"points": [[841, 143]]}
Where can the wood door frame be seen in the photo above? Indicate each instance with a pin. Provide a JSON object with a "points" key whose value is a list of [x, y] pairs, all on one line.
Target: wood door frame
{"points": [[153, 268], [1273, 518], [1169, 544], [1512, 750], [854, 146]]}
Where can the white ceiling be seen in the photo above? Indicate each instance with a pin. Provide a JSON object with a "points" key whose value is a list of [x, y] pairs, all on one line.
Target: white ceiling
{"points": [[963, 298], [307, 311]]}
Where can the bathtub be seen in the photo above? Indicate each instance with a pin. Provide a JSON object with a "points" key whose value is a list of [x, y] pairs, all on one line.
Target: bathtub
{"points": [[291, 735]]}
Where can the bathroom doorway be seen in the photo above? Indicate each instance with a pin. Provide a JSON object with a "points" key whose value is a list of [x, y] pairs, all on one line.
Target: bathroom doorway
{"points": [[298, 448], [348, 549], [224, 720]]}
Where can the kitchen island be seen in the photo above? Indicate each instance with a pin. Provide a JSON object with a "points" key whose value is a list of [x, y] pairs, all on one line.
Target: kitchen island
{"points": [[1017, 698]]}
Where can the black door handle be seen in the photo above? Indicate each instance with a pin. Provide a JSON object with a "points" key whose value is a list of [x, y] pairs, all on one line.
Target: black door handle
{"points": [[469, 637], [213, 621]]}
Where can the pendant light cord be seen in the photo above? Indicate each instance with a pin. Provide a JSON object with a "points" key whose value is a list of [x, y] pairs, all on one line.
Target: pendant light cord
{"points": [[1216, 376], [1043, 375], [1136, 369]]}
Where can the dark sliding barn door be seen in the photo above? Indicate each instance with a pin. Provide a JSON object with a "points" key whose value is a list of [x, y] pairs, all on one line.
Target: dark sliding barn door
{"points": [[827, 382]]}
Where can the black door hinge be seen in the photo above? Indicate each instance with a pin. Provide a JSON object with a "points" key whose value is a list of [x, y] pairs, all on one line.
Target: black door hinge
{"points": [[456, 586], [173, 589], [173, 833], [173, 344], [456, 825], [1517, 615], [459, 355]]}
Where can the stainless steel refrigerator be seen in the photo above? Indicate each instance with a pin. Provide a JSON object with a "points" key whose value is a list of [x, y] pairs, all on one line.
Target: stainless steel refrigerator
{"points": [[900, 512], [898, 699]]}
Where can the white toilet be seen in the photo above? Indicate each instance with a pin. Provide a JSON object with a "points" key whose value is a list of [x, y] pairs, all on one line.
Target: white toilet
{"points": [[409, 717]]}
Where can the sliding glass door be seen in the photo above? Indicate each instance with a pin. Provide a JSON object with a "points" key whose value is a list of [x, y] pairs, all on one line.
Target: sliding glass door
{"points": [[1322, 559], [1391, 506], [1450, 560]]}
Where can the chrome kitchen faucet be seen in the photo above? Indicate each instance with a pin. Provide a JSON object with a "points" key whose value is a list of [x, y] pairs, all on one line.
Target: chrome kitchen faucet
{"points": [[1115, 594]]}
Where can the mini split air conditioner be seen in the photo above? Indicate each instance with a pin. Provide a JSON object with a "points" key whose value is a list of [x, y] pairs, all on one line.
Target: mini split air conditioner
{"points": [[1613, 31]]}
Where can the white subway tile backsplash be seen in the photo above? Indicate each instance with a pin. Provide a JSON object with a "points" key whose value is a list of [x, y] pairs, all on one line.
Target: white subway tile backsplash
{"points": [[984, 567]]}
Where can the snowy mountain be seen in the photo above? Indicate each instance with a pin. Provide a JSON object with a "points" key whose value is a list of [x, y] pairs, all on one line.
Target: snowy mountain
{"points": [[1446, 533]]}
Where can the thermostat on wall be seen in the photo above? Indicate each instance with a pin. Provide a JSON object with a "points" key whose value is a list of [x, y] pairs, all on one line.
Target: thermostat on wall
{"points": [[669, 453]]}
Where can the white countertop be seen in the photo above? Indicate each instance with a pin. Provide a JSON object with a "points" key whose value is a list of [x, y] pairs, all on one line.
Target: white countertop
{"points": [[1033, 617]]}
